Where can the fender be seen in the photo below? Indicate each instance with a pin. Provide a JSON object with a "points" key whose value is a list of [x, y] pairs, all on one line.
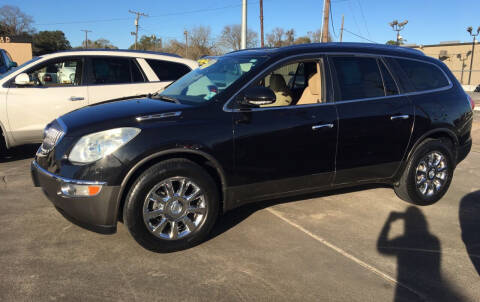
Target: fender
{"points": [[446, 131], [139, 164]]}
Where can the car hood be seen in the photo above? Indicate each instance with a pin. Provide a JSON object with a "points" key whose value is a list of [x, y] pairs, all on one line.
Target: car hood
{"points": [[115, 114]]}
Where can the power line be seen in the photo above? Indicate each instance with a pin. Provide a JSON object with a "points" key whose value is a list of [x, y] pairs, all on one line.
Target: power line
{"points": [[363, 17], [156, 16], [359, 36]]}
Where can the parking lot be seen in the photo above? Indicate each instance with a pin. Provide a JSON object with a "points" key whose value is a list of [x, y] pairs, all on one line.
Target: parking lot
{"points": [[336, 246]]}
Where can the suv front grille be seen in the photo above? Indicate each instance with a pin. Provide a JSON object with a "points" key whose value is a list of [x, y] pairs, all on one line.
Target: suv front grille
{"points": [[52, 135]]}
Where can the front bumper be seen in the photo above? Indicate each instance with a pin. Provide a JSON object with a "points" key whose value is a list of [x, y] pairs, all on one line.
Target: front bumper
{"points": [[97, 213]]}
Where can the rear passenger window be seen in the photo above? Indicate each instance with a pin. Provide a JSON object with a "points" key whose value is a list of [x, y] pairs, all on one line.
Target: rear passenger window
{"points": [[168, 71], [358, 78], [388, 82], [107, 70], [423, 76]]}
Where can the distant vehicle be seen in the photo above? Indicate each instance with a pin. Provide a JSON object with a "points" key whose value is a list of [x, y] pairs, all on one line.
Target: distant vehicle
{"points": [[6, 62], [51, 85], [233, 132]]}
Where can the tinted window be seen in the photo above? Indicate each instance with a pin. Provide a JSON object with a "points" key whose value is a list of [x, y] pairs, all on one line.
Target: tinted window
{"points": [[390, 86], [57, 73], [168, 71], [111, 70], [423, 76], [358, 78], [137, 76]]}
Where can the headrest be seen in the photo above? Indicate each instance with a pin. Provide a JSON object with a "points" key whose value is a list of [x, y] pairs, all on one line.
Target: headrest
{"points": [[277, 82]]}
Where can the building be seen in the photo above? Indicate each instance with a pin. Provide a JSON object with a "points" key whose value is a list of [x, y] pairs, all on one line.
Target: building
{"points": [[457, 56], [19, 48]]}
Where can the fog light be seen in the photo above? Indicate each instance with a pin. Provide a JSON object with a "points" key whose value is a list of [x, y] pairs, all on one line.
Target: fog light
{"points": [[74, 190]]}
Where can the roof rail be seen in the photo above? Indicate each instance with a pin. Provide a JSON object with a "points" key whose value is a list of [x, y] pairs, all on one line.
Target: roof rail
{"points": [[124, 50]]}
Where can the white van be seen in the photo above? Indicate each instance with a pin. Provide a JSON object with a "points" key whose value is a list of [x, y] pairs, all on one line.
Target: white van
{"points": [[48, 86]]}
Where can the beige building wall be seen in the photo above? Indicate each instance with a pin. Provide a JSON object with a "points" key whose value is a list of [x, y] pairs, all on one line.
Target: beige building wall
{"points": [[20, 52], [452, 55]]}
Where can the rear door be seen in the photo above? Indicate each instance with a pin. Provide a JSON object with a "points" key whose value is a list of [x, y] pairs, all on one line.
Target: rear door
{"points": [[56, 88], [115, 77], [375, 120]]}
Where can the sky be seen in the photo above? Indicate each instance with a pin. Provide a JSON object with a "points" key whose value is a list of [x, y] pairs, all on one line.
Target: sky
{"points": [[430, 21]]}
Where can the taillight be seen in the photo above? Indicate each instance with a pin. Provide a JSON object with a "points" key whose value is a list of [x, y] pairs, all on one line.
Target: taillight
{"points": [[472, 103]]}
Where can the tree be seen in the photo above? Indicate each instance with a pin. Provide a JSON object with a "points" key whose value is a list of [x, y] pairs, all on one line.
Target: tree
{"points": [[279, 37], [148, 43], [49, 41], [302, 40], [392, 42], [101, 43], [231, 38], [14, 22]]}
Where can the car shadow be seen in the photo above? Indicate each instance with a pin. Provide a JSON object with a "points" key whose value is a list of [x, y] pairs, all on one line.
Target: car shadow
{"points": [[469, 216], [418, 255], [19, 153], [234, 217]]}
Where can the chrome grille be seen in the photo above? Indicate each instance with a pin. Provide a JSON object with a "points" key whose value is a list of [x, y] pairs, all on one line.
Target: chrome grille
{"points": [[51, 136]]}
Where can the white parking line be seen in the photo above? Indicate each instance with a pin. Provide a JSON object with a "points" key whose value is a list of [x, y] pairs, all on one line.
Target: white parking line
{"points": [[345, 254]]}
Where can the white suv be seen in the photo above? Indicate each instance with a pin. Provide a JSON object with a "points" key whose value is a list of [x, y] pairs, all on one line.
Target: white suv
{"points": [[48, 86]]}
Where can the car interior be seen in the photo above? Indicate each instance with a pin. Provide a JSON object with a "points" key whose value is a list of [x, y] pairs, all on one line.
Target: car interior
{"points": [[289, 85]]}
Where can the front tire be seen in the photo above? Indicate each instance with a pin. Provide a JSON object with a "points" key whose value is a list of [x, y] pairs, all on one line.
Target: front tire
{"points": [[428, 174], [171, 206]]}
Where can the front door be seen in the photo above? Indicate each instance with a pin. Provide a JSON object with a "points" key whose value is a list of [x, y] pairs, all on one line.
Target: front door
{"points": [[375, 121], [56, 88], [285, 147]]}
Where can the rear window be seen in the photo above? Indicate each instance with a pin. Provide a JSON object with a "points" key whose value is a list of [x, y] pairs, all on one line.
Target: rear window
{"points": [[423, 76], [168, 71]]}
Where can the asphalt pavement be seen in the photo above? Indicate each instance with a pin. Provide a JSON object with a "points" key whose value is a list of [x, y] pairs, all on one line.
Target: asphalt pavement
{"points": [[360, 244]]}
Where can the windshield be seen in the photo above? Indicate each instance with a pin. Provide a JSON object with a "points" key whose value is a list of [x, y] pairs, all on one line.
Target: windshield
{"points": [[211, 79], [17, 68]]}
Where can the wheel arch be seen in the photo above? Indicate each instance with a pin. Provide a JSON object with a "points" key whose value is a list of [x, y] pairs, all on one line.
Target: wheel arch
{"points": [[205, 160], [434, 133], [3, 135]]}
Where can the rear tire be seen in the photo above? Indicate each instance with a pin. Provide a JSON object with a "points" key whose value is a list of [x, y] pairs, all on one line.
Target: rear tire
{"points": [[428, 174], [3, 145], [171, 206]]}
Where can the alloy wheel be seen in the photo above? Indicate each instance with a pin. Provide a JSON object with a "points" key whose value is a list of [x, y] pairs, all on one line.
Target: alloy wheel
{"points": [[431, 173]]}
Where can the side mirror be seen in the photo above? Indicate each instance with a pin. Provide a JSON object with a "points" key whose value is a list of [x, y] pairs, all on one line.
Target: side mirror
{"points": [[12, 64], [257, 96], [22, 79]]}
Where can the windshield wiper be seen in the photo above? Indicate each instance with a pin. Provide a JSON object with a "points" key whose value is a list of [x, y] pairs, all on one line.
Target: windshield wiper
{"points": [[165, 98]]}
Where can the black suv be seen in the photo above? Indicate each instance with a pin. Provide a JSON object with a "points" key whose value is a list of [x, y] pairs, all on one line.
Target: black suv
{"points": [[254, 125]]}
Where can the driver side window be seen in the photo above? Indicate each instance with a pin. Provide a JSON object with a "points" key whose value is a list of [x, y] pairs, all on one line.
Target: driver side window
{"points": [[297, 83], [57, 73]]}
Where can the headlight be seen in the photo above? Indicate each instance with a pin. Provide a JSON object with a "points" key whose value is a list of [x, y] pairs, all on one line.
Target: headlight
{"points": [[95, 146]]}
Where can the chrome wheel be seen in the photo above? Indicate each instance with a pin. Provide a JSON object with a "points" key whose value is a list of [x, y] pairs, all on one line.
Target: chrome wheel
{"points": [[174, 208], [431, 173]]}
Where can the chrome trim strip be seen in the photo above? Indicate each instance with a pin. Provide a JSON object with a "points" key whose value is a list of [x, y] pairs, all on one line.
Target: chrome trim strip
{"points": [[309, 55], [316, 127], [158, 116], [66, 180], [397, 117]]}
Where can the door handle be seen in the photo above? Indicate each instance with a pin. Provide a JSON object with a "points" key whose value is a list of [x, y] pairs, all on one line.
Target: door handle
{"points": [[76, 98], [316, 127], [399, 117]]}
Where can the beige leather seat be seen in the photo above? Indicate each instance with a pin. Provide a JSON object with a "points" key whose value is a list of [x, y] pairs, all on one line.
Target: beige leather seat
{"points": [[312, 94], [279, 87]]}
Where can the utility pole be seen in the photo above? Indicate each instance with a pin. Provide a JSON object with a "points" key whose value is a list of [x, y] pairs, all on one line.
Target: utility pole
{"points": [[463, 59], [86, 36], [341, 29], [137, 18], [469, 29], [185, 32], [244, 25], [262, 42], [326, 16], [398, 26]]}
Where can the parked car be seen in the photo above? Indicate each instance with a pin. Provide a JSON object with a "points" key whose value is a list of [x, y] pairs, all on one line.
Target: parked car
{"points": [[6, 62], [232, 132], [51, 85]]}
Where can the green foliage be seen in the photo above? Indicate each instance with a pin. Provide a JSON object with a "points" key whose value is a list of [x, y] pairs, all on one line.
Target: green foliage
{"points": [[49, 41], [148, 43]]}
